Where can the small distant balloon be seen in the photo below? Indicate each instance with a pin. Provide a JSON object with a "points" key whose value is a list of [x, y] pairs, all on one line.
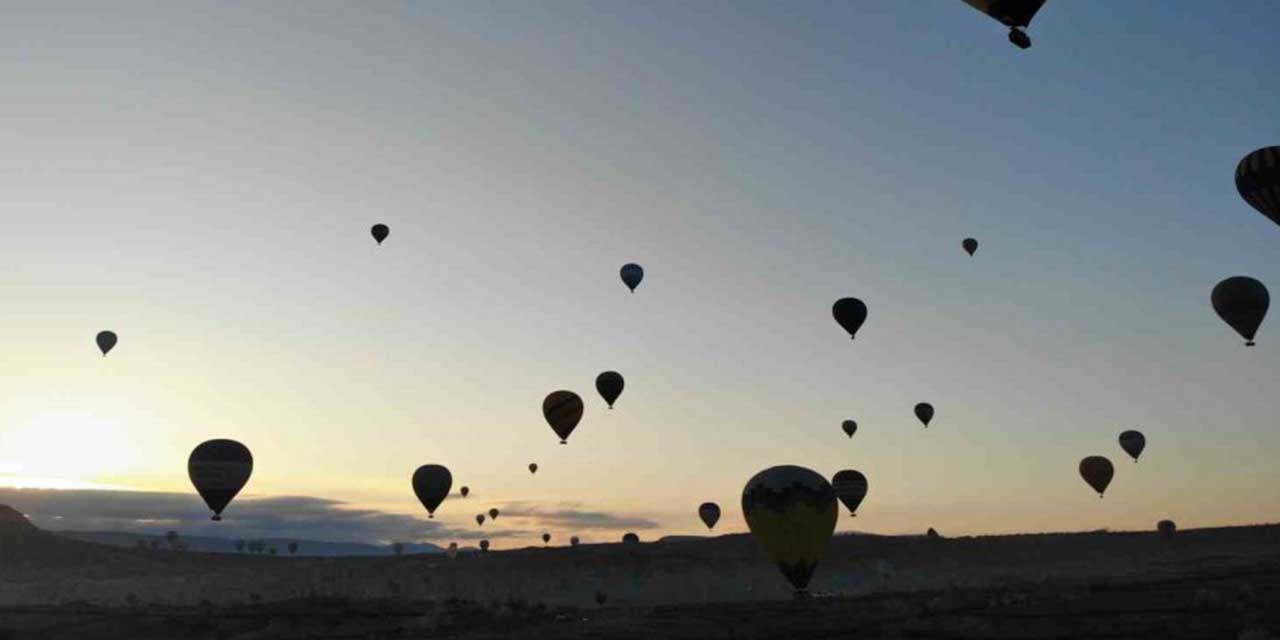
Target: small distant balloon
{"points": [[573, 542], [1097, 471], [563, 411], [546, 537], [1166, 528], [465, 491], [924, 412], [106, 341], [709, 513], [849, 427], [630, 538], [380, 232], [533, 467], [1133, 442], [219, 469], [970, 246], [480, 519], [632, 274], [453, 550], [1242, 303], [1258, 181], [791, 511], [850, 313], [484, 545], [431, 483], [493, 514], [609, 384], [851, 487]]}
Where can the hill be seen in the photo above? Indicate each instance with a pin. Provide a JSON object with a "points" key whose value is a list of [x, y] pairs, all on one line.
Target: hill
{"points": [[204, 544]]}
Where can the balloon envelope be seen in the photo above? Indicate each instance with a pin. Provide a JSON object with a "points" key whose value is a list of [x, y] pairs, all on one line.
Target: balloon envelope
{"points": [[851, 487], [574, 541], [431, 483], [493, 514], [380, 232], [453, 550], [484, 545], [1242, 303], [563, 410], [849, 313], [709, 513], [1097, 471], [546, 537], [1258, 181], [970, 245], [632, 274], [106, 341], [850, 427], [609, 384], [1011, 13], [630, 538], [480, 519], [924, 411], [219, 469], [464, 491], [533, 467], [1133, 442], [792, 512]]}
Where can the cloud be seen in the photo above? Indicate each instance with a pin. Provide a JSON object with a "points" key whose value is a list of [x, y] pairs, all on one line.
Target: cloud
{"points": [[567, 516]]}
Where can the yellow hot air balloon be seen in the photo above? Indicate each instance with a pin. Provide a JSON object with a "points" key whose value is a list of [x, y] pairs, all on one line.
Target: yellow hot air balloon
{"points": [[792, 512]]}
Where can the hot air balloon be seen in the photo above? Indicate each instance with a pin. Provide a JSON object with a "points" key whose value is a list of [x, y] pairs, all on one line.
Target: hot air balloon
{"points": [[924, 411], [546, 537], [1258, 181], [1097, 471], [573, 542], [850, 313], [609, 384], [480, 519], [453, 550], [106, 341], [464, 491], [563, 410], [1166, 528], [380, 232], [630, 538], [792, 512], [219, 469], [1133, 442], [484, 545], [970, 246], [1242, 303], [1012, 14], [850, 427], [493, 514], [709, 512], [632, 274], [851, 487], [431, 483], [533, 467]]}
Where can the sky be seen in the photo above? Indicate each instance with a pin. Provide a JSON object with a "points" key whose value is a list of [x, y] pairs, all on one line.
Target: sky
{"points": [[201, 179]]}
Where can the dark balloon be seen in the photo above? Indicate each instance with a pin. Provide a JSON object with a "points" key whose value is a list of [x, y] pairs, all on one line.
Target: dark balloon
{"points": [[1133, 442], [631, 538], [609, 384], [533, 467], [380, 232], [465, 491], [709, 512], [106, 341], [431, 483], [1012, 14], [850, 313], [493, 514], [632, 274], [850, 427], [924, 411], [970, 245], [573, 541], [546, 537], [1166, 528], [219, 469], [484, 545], [563, 410], [480, 519], [1241, 302], [792, 512], [851, 487], [1097, 471], [1258, 181]]}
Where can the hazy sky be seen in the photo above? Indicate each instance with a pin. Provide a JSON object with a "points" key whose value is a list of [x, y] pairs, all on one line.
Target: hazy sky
{"points": [[202, 179]]}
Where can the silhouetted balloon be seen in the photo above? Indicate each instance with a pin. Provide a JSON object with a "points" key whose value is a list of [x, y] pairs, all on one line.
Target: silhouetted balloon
{"points": [[484, 545], [453, 550], [924, 411], [480, 519], [464, 491], [792, 512], [493, 514], [219, 469], [630, 538], [851, 487], [533, 467], [573, 541], [632, 274], [1133, 442], [850, 313], [709, 512], [546, 537], [380, 232], [850, 427], [431, 483], [970, 245], [1097, 471], [1242, 303], [106, 341], [1258, 181], [609, 384], [563, 410], [1012, 14], [1166, 528]]}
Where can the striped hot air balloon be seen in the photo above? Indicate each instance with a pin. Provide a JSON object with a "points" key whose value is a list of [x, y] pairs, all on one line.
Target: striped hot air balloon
{"points": [[1258, 181], [851, 487], [219, 469]]}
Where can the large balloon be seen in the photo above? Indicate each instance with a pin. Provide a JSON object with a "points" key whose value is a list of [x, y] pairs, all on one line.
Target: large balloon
{"points": [[480, 519], [546, 537], [850, 313], [1133, 442], [219, 469], [924, 411], [1241, 302], [709, 512], [1258, 181], [632, 274], [563, 410], [431, 482], [970, 245], [484, 545], [533, 467], [851, 487], [630, 538], [850, 427], [792, 513], [106, 341], [380, 232], [493, 514], [464, 491], [1097, 471], [609, 384], [1012, 14]]}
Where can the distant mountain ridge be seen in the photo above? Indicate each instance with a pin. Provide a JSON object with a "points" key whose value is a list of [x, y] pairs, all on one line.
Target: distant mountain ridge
{"points": [[205, 544]]}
